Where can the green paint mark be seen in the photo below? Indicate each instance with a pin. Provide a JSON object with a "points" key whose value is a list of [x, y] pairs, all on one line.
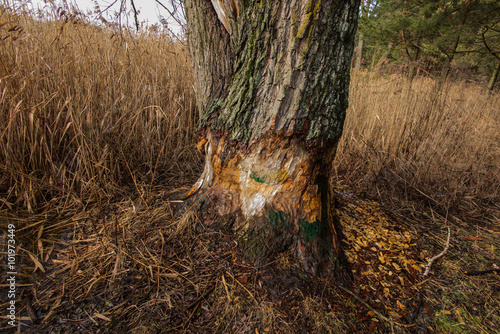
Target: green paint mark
{"points": [[309, 230], [279, 218], [257, 178]]}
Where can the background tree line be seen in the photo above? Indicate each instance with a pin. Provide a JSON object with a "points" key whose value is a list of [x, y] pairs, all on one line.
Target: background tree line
{"points": [[441, 38]]}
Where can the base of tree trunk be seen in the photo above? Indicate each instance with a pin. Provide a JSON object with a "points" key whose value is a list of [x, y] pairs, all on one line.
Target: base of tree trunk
{"points": [[278, 192]]}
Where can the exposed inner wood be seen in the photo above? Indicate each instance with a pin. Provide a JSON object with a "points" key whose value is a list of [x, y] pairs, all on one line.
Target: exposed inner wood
{"points": [[226, 10], [277, 188]]}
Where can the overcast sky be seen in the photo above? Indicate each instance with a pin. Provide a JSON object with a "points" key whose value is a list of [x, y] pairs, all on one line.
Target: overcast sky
{"points": [[149, 10]]}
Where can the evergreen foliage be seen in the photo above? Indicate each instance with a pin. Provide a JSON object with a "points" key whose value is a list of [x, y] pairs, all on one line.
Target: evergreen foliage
{"points": [[432, 35]]}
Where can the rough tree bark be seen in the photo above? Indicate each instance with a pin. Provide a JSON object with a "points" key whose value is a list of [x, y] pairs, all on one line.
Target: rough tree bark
{"points": [[271, 80]]}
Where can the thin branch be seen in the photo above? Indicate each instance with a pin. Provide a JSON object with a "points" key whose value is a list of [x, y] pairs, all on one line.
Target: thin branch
{"points": [[488, 47], [431, 261], [476, 51], [176, 37], [170, 13], [112, 4], [135, 15]]}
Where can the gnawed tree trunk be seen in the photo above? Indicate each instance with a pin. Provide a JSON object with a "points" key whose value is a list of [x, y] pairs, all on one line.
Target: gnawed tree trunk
{"points": [[271, 79]]}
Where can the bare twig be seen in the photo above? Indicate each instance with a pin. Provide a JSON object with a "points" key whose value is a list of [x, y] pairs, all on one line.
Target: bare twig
{"points": [[170, 13], [431, 261], [225, 287], [251, 294], [135, 15]]}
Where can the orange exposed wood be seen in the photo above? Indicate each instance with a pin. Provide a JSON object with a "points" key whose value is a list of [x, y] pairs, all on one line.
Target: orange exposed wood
{"points": [[276, 174]]}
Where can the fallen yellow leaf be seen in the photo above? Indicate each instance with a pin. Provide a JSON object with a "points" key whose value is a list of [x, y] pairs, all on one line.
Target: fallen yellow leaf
{"points": [[381, 257], [417, 268]]}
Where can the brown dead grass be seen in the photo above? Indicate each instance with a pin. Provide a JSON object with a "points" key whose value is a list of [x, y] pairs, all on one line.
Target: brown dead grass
{"points": [[87, 110], [414, 144], [432, 159], [97, 129]]}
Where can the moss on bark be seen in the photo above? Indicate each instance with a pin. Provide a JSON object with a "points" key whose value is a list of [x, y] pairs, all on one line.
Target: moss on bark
{"points": [[272, 85]]}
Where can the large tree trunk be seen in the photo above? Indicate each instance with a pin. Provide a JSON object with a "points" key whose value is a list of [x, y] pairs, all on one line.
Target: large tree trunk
{"points": [[272, 79]]}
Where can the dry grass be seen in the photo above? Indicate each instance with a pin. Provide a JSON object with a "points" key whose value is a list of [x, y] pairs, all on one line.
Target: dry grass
{"points": [[432, 159], [86, 110], [97, 129], [413, 144]]}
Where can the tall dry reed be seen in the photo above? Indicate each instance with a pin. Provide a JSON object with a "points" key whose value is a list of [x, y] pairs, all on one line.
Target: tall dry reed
{"points": [[86, 109], [407, 141]]}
